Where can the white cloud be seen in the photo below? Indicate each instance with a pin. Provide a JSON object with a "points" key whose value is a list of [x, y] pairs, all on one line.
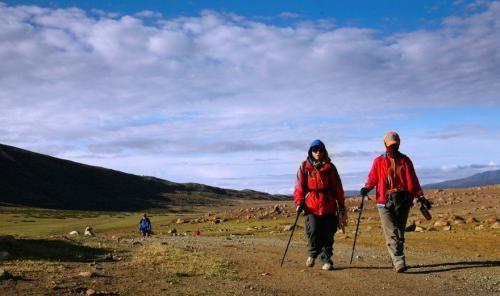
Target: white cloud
{"points": [[87, 83]]}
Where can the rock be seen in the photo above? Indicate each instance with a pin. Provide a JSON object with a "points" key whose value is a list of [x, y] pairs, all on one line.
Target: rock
{"points": [[87, 274], [490, 219], [447, 228], [480, 227], [441, 223], [419, 229], [456, 217], [180, 221], [458, 222], [90, 292], [288, 227], [411, 227], [7, 239], [471, 220], [74, 232], [4, 255], [5, 275], [172, 231], [136, 243], [88, 231], [495, 225]]}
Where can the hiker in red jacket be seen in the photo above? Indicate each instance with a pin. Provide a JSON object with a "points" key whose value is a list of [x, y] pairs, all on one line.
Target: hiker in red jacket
{"points": [[397, 185], [320, 195]]}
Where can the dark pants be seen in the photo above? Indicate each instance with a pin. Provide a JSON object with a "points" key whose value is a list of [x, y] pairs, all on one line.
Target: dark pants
{"points": [[320, 231]]}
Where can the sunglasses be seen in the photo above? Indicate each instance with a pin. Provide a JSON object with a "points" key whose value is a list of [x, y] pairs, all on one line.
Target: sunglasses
{"points": [[317, 149]]}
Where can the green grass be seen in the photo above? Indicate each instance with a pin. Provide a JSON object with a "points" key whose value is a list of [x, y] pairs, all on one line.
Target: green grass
{"points": [[40, 223]]}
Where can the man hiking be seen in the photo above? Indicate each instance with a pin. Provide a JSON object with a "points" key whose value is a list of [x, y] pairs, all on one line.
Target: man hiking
{"points": [[397, 185], [319, 193], [145, 226]]}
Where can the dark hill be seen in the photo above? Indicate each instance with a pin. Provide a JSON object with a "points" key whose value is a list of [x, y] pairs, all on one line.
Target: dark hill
{"points": [[36, 180], [481, 179]]}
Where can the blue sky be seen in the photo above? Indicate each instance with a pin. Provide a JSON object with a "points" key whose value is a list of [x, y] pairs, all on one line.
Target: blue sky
{"points": [[231, 93]]}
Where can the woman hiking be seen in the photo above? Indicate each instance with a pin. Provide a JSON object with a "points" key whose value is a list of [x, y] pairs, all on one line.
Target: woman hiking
{"points": [[319, 193]]}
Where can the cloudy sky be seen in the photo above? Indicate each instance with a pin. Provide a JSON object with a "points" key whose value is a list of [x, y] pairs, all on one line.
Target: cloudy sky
{"points": [[231, 93]]}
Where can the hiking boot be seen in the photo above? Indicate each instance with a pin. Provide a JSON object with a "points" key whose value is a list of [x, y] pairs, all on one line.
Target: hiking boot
{"points": [[310, 261], [400, 267], [328, 265]]}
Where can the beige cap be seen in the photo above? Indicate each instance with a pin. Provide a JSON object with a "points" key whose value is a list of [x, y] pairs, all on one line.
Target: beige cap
{"points": [[391, 138]]}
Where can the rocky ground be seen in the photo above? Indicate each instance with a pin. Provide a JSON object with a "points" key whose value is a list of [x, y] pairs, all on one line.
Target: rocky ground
{"points": [[238, 252]]}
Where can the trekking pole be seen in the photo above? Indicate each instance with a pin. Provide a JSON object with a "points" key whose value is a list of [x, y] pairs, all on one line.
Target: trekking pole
{"points": [[290, 239], [357, 226]]}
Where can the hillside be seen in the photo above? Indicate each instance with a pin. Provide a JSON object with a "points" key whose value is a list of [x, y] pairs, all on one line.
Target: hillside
{"points": [[36, 180], [481, 179]]}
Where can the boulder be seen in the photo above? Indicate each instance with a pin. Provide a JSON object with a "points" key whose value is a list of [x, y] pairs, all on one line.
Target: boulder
{"points": [[7, 240], [5, 275], [480, 227], [447, 228], [471, 220], [4, 255], [180, 221], [87, 274], [288, 227], [491, 219], [74, 232], [419, 229], [495, 225], [411, 227], [90, 292], [441, 223], [88, 231]]}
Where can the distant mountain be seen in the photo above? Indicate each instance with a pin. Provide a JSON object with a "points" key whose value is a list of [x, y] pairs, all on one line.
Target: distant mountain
{"points": [[36, 180], [481, 179]]}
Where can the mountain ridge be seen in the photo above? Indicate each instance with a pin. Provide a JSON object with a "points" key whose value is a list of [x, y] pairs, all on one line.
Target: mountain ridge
{"points": [[480, 179], [33, 179]]}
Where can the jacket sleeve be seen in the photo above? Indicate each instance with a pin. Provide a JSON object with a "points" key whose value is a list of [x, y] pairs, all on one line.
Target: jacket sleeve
{"points": [[300, 186], [373, 176], [412, 179], [338, 189]]}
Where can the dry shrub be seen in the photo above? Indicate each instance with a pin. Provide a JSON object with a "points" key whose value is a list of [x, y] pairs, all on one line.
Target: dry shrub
{"points": [[181, 261]]}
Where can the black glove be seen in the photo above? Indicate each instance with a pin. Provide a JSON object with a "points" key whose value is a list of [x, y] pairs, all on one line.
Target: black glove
{"points": [[364, 191], [425, 202]]}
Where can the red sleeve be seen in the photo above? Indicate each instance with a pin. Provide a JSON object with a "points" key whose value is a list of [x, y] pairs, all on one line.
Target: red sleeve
{"points": [[412, 180], [372, 176], [338, 189], [300, 186]]}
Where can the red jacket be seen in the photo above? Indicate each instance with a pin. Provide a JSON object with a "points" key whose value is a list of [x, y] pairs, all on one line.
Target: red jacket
{"points": [[319, 188], [405, 177]]}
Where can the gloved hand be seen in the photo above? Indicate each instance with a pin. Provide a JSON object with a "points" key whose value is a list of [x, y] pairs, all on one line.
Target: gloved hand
{"points": [[364, 191], [424, 201], [300, 208]]}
